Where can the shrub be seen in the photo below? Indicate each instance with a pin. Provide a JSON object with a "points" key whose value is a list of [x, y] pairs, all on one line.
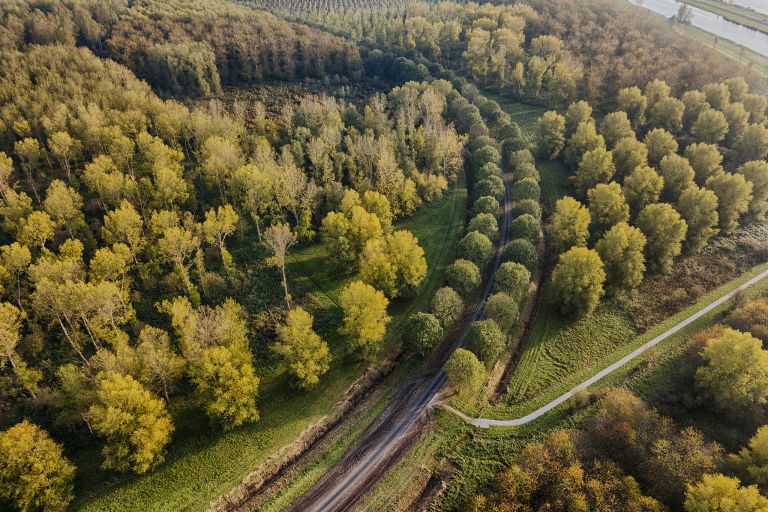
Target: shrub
{"points": [[525, 226], [513, 278], [463, 276], [447, 305], [486, 340], [529, 206], [476, 247], [486, 224], [527, 188], [485, 204], [502, 309], [421, 333], [522, 251]]}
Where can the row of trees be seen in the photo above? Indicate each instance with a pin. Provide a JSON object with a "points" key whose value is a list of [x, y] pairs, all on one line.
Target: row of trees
{"points": [[673, 186], [488, 338]]}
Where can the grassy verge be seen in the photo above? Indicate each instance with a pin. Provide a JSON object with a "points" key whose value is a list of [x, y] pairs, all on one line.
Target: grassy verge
{"points": [[559, 375], [734, 13], [205, 464], [728, 48]]}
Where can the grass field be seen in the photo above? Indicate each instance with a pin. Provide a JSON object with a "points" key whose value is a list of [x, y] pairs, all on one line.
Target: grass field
{"points": [[202, 465]]}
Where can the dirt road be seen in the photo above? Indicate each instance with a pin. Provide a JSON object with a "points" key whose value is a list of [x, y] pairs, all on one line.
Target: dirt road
{"points": [[401, 423]]}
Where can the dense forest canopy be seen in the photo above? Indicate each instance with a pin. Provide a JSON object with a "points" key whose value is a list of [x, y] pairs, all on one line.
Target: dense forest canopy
{"points": [[162, 43], [582, 49]]}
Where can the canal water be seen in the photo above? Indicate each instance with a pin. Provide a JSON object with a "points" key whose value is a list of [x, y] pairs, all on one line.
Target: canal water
{"points": [[714, 23], [760, 6]]}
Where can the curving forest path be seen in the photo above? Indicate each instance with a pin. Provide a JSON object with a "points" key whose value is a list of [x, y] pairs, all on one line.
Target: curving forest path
{"points": [[399, 426], [487, 422]]}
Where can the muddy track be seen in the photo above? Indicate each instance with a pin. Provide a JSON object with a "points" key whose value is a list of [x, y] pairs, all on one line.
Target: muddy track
{"points": [[400, 425]]}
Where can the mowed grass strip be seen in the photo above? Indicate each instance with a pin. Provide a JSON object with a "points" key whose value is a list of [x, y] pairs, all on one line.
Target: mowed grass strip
{"points": [[613, 350], [200, 467]]}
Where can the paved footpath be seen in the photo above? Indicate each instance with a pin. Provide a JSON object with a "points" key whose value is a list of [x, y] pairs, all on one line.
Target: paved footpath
{"points": [[487, 422]]}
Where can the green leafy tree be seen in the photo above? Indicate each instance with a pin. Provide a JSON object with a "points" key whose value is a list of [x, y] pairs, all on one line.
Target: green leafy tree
{"points": [[642, 187], [279, 238], [734, 194], [756, 172], [36, 230], [227, 385], [585, 138], [596, 167], [550, 134], [695, 103], [485, 204], [665, 231], [526, 188], [502, 309], [422, 333], [718, 96], [525, 226], [301, 349], [607, 207], [522, 251], [220, 223], [710, 127], [485, 224], [135, 425], [660, 143], [513, 279], [465, 372], [705, 159], [616, 126], [720, 493], [678, 176], [735, 373], [656, 91], [632, 101], [486, 341], [578, 281], [751, 144], [475, 247], [667, 113], [348, 233], [365, 318], [752, 460], [577, 112], [629, 154], [395, 265], [621, 249], [569, 225], [463, 276], [447, 306], [34, 474], [698, 207], [64, 205]]}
